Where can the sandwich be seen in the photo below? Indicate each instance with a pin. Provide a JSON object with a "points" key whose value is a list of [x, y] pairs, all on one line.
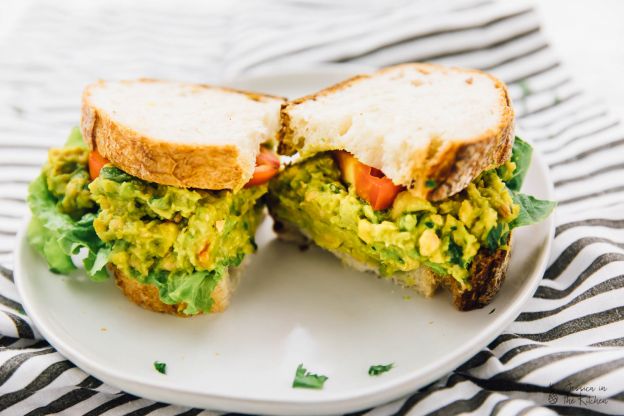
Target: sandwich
{"points": [[412, 172], [162, 187]]}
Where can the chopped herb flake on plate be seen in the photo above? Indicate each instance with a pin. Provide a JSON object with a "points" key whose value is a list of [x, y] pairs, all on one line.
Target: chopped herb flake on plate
{"points": [[376, 370], [307, 380], [160, 367]]}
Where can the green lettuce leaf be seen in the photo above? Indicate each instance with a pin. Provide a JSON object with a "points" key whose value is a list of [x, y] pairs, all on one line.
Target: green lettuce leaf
{"points": [[75, 139], [194, 289], [57, 236], [44, 241], [521, 156], [95, 263], [532, 210]]}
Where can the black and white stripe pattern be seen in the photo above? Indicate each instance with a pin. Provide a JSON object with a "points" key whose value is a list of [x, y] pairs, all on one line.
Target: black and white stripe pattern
{"points": [[570, 334]]}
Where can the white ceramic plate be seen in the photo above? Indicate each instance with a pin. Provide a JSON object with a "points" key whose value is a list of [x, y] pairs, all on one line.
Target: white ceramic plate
{"points": [[292, 307]]}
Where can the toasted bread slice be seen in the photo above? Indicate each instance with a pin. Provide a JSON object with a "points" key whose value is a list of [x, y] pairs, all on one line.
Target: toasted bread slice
{"points": [[420, 124], [180, 134], [147, 297], [487, 272]]}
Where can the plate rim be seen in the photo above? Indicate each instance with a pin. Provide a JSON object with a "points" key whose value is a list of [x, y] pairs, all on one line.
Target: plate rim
{"points": [[366, 397]]}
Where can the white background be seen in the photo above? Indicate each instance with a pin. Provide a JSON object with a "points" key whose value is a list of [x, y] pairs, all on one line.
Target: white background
{"points": [[588, 35]]}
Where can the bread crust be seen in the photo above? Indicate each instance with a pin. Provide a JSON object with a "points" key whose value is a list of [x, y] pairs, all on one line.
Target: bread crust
{"points": [[487, 272], [455, 165], [452, 165], [176, 164], [147, 296]]}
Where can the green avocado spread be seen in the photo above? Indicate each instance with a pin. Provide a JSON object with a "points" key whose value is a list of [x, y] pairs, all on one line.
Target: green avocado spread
{"points": [[159, 233], [67, 178], [444, 235]]}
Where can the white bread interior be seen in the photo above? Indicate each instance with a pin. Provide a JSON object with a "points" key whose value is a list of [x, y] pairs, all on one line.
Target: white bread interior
{"points": [[414, 122], [181, 134]]}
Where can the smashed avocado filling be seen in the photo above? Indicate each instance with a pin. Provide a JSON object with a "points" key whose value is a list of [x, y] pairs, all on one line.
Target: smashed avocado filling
{"points": [[180, 240], [444, 235], [67, 178]]}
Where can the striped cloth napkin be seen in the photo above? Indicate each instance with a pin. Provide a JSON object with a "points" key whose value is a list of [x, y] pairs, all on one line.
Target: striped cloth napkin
{"points": [[565, 352]]}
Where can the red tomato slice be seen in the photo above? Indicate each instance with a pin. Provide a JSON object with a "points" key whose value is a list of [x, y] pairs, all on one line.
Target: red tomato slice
{"points": [[96, 161], [267, 157], [267, 166], [370, 183], [378, 191], [261, 175]]}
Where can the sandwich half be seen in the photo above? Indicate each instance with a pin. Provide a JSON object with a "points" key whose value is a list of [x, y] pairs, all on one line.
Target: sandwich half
{"points": [[163, 187], [413, 173]]}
